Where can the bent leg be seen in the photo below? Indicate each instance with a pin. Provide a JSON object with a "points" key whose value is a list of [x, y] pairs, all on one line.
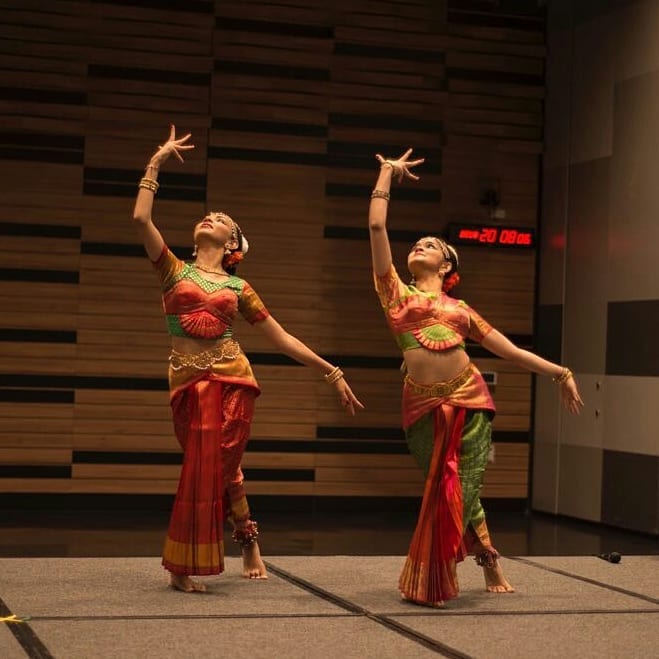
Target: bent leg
{"points": [[235, 433], [476, 442]]}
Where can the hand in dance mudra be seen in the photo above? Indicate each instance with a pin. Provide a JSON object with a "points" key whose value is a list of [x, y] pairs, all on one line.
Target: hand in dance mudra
{"points": [[401, 166]]}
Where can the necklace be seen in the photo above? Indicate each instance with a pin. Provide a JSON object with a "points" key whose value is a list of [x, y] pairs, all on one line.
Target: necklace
{"points": [[210, 270]]}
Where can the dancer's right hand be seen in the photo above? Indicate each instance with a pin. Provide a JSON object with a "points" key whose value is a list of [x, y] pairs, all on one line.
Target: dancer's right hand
{"points": [[171, 146], [401, 165]]}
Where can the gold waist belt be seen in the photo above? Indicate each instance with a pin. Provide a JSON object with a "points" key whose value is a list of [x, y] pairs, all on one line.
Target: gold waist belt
{"points": [[228, 349], [439, 389]]}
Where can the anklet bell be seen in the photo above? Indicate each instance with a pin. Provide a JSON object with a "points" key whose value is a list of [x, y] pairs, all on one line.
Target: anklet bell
{"points": [[246, 536]]}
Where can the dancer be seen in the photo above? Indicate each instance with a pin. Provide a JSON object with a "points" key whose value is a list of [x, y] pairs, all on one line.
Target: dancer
{"points": [[212, 387], [447, 407]]}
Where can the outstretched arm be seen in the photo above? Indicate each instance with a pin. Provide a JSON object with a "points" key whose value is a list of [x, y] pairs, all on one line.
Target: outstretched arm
{"points": [[294, 348], [501, 346], [377, 212], [153, 241]]}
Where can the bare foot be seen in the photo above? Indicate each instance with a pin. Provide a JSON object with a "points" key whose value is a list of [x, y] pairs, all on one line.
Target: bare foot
{"points": [[185, 584], [495, 582], [253, 566], [432, 605]]}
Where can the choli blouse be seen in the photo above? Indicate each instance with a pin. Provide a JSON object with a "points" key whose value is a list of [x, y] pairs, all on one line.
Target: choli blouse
{"points": [[198, 308], [433, 321]]}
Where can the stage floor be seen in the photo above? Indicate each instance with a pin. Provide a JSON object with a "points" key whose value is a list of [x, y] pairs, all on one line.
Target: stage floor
{"points": [[327, 606], [88, 584]]}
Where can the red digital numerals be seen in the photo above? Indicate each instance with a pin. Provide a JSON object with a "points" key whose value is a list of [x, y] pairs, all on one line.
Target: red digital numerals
{"points": [[496, 236]]}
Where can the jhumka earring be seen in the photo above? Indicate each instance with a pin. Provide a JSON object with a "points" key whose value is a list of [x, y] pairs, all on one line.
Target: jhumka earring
{"points": [[194, 251]]}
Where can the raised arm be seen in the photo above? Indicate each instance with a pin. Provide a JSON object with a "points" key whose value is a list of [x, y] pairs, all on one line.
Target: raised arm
{"points": [[503, 347], [148, 186], [377, 212], [292, 347]]}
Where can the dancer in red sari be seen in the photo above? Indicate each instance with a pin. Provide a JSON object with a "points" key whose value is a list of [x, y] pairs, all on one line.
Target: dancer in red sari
{"points": [[212, 387], [447, 407]]}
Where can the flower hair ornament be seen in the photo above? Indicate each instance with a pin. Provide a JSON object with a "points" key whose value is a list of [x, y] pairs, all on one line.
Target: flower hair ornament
{"points": [[233, 257], [450, 282], [452, 278]]}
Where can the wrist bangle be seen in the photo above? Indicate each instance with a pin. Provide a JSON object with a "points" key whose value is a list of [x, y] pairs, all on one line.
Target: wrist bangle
{"points": [[381, 194], [564, 376], [149, 184], [335, 374]]}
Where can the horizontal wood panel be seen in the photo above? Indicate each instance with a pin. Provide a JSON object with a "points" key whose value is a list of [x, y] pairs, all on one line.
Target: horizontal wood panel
{"points": [[287, 104]]}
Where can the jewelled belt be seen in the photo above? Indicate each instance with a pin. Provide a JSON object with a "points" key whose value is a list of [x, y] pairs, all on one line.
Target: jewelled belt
{"points": [[228, 349], [439, 389]]}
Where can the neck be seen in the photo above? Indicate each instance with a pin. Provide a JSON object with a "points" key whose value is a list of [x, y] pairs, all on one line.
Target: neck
{"points": [[209, 258], [429, 283]]}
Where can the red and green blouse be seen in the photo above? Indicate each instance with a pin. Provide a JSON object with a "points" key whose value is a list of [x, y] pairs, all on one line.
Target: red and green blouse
{"points": [[433, 321], [198, 308]]}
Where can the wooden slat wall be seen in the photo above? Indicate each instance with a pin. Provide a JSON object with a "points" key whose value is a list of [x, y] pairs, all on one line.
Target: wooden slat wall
{"points": [[287, 103]]}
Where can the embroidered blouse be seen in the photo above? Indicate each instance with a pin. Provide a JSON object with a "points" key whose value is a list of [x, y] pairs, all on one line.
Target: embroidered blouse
{"points": [[198, 308], [433, 321]]}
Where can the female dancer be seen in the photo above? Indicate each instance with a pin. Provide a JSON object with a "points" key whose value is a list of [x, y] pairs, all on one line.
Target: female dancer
{"points": [[212, 387], [447, 408]]}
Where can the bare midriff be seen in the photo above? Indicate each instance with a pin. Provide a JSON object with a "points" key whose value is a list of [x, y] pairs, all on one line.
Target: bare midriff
{"points": [[428, 366]]}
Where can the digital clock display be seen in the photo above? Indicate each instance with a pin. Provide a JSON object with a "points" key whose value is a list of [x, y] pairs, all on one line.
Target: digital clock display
{"points": [[491, 234]]}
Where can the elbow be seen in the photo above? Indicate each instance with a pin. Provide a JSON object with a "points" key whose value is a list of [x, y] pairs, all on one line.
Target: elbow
{"points": [[376, 225]]}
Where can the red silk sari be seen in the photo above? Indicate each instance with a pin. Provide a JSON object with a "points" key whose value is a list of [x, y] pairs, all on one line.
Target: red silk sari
{"points": [[434, 421], [212, 418]]}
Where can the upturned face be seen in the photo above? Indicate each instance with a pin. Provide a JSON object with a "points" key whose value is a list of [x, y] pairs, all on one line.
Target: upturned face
{"points": [[217, 226], [427, 254]]}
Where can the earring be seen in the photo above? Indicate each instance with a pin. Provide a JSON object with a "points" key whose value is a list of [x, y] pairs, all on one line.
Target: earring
{"points": [[413, 281], [194, 252]]}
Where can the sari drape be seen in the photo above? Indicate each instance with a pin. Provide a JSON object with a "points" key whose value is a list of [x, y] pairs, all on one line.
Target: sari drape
{"points": [[212, 413], [448, 431]]}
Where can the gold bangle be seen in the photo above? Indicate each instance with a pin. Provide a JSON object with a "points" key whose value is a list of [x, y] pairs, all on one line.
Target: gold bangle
{"points": [[338, 376], [149, 184], [394, 169], [335, 374], [381, 194], [564, 376]]}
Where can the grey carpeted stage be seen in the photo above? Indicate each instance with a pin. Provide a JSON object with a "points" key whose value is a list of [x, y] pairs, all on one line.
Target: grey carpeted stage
{"points": [[327, 607]]}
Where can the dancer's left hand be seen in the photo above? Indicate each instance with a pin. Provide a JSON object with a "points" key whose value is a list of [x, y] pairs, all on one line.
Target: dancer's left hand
{"points": [[348, 400], [570, 396]]}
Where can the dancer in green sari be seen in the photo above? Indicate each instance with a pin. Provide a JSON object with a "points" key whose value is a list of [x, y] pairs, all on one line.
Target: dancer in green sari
{"points": [[447, 407]]}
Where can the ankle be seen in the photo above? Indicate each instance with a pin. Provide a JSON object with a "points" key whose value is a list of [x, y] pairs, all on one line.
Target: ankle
{"points": [[246, 534], [488, 558]]}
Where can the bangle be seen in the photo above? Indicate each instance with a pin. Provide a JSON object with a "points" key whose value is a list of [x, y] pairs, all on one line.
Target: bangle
{"points": [[564, 376], [382, 194], [151, 166], [394, 169], [335, 374], [149, 184]]}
